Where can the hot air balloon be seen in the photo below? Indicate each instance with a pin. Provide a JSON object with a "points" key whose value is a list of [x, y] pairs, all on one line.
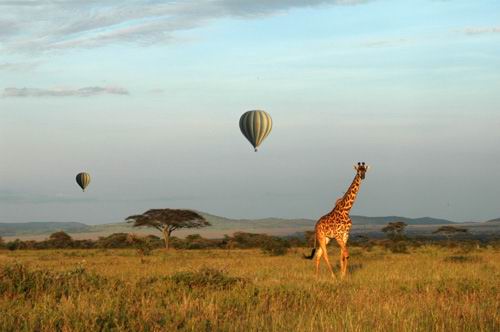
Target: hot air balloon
{"points": [[83, 180], [255, 126]]}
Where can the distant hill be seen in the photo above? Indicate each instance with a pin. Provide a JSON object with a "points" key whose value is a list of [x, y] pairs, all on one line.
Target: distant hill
{"points": [[220, 225], [12, 229], [494, 220], [361, 220], [235, 224]]}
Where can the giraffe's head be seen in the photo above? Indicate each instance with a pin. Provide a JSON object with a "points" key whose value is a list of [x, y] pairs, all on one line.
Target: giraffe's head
{"points": [[361, 169]]}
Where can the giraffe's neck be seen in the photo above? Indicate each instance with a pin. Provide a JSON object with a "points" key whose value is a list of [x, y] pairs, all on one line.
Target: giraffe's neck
{"points": [[345, 204]]}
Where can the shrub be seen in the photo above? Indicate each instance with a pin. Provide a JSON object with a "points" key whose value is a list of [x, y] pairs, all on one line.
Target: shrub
{"points": [[309, 238], [116, 240], [60, 240], [362, 241], [249, 240], [196, 241], [296, 242], [140, 244], [83, 244], [395, 230], [176, 243], [15, 245], [275, 247], [397, 247]]}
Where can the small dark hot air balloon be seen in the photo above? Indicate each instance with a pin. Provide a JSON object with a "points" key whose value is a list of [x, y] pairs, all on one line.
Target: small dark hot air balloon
{"points": [[83, 180], [256, 126]]}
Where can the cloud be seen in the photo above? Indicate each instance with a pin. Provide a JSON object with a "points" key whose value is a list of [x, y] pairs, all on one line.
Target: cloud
{"points": [[8, 197], [385, 42], [8, 27], [43, 25], [18, 66], [480, 30], [82, 92], [157, 91]]}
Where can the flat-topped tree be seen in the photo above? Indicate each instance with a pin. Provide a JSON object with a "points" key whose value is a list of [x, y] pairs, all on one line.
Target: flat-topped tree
{"points": [[448, 231], [395, 230], [168, 220], [60, 239]]}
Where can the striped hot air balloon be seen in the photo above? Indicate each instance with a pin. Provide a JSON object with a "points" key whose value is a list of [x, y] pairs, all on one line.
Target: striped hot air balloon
{"points": [[256, 126], [83, 180]]}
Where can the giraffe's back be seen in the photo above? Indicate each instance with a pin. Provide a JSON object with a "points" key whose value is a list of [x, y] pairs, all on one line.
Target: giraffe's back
{"points": [[334, 226]]}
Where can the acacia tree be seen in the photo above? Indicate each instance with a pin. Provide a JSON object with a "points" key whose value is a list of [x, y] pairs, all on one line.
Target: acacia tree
{"points": [[168, 220], [448, 231], [60, 240], [395, 230]]}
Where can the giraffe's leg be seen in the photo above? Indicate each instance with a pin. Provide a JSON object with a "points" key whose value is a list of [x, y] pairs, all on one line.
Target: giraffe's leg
{"points": [[319, 253], [341, 260], [344, 256], [322, 243], [346, 261]]}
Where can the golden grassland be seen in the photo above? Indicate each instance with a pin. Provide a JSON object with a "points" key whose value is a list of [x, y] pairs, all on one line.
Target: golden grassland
{"points": [[429, 289]]}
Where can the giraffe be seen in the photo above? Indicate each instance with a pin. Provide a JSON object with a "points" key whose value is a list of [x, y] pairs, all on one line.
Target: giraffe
{"points": [[337, 224]]}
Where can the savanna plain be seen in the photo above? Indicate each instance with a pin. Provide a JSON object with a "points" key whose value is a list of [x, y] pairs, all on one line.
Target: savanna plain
{"points": [[431, 288]]}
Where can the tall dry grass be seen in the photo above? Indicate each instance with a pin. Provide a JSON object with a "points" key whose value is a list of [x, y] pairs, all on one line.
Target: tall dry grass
{"points": [[430, 289]]}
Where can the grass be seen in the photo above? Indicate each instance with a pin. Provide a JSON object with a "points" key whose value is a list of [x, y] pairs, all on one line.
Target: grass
{"points": [[429, 289]]}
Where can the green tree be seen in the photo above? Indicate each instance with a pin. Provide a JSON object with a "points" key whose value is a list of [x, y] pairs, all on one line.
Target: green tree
{"points": [[60, 240], [449, 231], [115, 240], [395, 230], [168, 220], [143, 245]]}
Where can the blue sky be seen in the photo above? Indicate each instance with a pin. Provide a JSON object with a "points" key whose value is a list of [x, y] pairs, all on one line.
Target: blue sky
{"points": [[146, 97]]}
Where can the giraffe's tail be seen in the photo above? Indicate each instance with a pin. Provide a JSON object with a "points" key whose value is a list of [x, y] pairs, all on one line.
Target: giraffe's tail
{"points": [[311, 256]]}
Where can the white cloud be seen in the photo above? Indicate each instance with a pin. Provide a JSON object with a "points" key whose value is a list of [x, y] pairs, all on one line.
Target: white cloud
{"points": [[385, 42], [157, 91], [42, 25], [480, 30], [82, 92], [18, 66]]}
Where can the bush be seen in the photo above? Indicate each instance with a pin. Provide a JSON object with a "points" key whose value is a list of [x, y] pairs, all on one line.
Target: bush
{"points": [[116, 240], [397, 247], [296, 242], [362, 241], [275, 247], [83, 244], [196, 241], [309, 238], [249, 240], [144, 245], [176, 243], [15, 245], [60, 240]]}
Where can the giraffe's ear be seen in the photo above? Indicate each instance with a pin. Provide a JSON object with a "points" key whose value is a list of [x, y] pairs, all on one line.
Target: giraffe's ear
{"points": [[367, 168], [355, 167]]}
